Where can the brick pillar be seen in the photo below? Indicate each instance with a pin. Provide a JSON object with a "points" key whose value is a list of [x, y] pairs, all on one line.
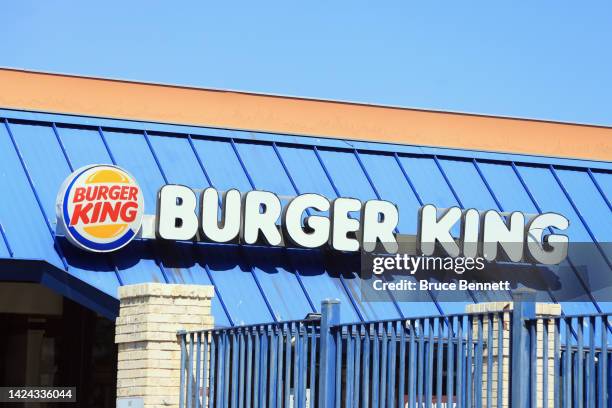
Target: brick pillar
{"points": [[146, 333], [542, 309]]}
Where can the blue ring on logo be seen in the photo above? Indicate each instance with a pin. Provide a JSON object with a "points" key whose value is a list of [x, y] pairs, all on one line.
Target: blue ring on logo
{"points": [[109, 246]]}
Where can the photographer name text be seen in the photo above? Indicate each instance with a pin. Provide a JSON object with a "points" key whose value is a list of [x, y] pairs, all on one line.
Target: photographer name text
{"points": [[424, 285]]}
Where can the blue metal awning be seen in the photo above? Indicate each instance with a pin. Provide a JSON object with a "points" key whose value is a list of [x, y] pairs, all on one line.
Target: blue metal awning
{"points": [[38, 151]]}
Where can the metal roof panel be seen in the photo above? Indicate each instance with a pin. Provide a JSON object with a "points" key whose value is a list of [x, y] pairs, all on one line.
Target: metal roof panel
{"points": [[255, 284]]}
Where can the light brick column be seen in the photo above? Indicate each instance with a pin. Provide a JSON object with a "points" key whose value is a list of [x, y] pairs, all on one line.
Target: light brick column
{"points": [[146, 333], [542, 309]]}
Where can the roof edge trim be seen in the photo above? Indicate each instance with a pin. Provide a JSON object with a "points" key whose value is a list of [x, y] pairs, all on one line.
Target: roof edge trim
{"points": [[303, 140]]}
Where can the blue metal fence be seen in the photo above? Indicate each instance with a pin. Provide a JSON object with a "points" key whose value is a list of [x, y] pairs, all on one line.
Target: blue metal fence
{"points": [[569, 362], [507, 358], [259, 365]]}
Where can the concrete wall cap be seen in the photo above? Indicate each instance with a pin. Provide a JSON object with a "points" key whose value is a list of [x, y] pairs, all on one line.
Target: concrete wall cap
{"points": [[551, 309], [166, 290]]}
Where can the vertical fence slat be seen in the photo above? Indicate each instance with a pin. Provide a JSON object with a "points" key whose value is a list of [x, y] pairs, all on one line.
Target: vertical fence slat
{"points": [[182, 337], [592, 380], [580, 365], [412, 366], [249, 368], [295, 341], [205, 364], [287, 330], [391, 365], [450, 359], [500, 359], [213, 360], [533, 363], [489, 391], [603, 363], [241, 369], [478, 368], [295, 364], [198, 368], [256, 367], [421, 362], [357, 372], [273, 334], [429, 363], [375, 379], [279, 368], [557, 364], [234, 369], [303, 351], [402, 365], [220, 370], [383, 365], [313, 364], [226, 369], [567, 365], [349, 374], [469, 383], [263, 390], [365, 400], [338, 368], [439, 362], [545, 362], [190, 372], [460, 392]]}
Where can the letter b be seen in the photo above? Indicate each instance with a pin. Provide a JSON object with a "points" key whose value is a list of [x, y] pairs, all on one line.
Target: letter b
{"points": [[176, 213]]}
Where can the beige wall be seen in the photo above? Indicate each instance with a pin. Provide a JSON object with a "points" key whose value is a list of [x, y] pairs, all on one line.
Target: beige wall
{"points": [[183, 105]]}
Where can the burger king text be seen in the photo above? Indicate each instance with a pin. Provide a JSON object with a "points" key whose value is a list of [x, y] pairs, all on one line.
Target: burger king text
{"points": [[100, 208]]}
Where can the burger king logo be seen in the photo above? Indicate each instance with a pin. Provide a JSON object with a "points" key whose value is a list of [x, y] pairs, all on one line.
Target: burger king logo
{"points": [[100, 208]]}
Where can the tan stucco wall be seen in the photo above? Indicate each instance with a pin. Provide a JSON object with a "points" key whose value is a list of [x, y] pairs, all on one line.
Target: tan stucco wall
{"points": [[193, 106]]}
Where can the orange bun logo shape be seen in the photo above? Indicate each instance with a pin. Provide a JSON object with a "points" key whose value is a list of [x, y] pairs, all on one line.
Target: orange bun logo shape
{"points": [[100, 208]]}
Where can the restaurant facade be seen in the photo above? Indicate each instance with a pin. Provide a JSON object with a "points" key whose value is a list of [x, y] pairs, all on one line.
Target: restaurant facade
{"points": [[166, 151]]}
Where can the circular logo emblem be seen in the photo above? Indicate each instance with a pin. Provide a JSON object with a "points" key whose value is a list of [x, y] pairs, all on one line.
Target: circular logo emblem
{"points": [[100, 208]]}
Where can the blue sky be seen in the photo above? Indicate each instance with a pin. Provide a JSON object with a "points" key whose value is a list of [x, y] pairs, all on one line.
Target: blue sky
{"points": [[539, 59]]}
